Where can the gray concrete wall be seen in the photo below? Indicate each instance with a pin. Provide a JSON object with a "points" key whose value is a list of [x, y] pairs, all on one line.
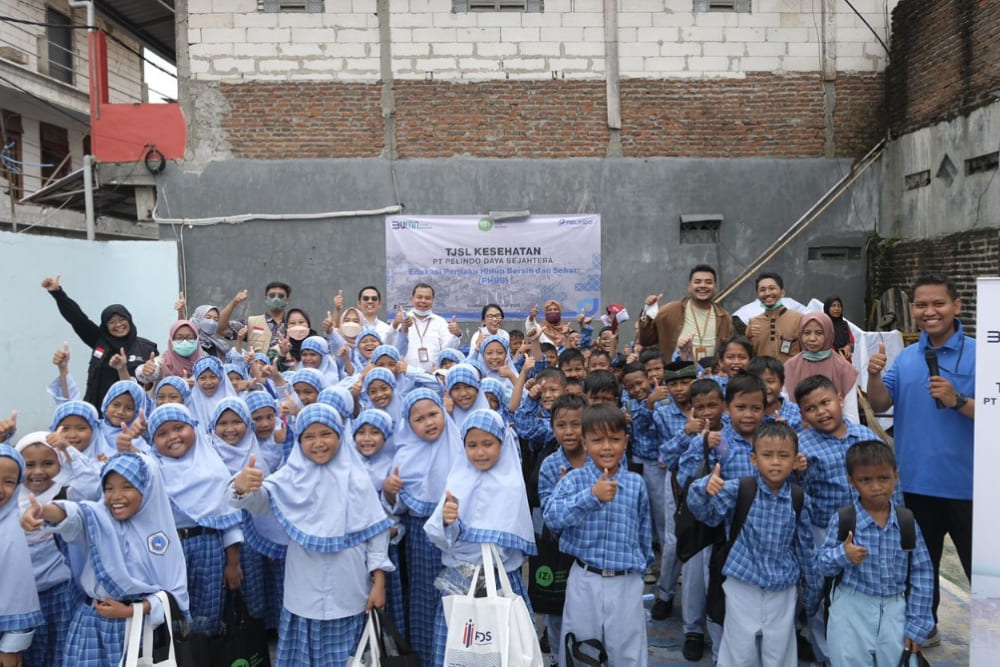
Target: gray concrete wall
{"points": [[640, 200]]}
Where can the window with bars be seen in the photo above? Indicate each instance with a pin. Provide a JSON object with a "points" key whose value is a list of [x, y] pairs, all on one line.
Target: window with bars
{"points": [[463, 6], [722, 6], [54, 142], [300, 6], [59, 35]]}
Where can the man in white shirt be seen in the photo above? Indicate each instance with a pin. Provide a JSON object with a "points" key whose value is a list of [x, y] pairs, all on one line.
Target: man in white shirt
{"points": [[428, 333], [369, 302]]}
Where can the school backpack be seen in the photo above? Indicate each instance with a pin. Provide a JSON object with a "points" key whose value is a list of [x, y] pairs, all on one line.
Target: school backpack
{"points": [[693, 535], [715, 607], [847, 518]]}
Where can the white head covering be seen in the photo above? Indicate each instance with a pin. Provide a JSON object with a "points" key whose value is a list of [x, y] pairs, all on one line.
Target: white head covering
{"points": [[88, 413], [47, 496], [196, 482], [141, 555], [395, 407], [108, 442], [330, 507], [236, 457], [492, 504], [202, 405], [423, 466], [379, 464], [19, 609], [466, 374]]}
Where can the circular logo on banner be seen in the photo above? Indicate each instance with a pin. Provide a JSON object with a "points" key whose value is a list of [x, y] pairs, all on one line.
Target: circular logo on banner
{"points": [[485, 224], [544, 576]]}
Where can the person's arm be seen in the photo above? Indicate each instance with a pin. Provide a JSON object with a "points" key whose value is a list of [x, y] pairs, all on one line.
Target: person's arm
{"points": [[226, 313], [518, 388], [708, 507], [812, 595], [878, 393], [85, 329], [569, 505]]}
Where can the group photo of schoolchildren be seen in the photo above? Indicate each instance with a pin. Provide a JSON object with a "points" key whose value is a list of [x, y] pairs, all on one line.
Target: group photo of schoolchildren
{"points": [[336, 473]]}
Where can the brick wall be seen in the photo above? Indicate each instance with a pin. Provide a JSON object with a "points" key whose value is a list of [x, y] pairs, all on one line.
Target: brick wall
{"points": [[944, 61], [762, 115], [963, 257]]}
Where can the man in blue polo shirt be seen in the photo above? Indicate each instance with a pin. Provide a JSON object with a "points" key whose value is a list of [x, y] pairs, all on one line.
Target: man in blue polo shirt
{"points": [[933, 417]]}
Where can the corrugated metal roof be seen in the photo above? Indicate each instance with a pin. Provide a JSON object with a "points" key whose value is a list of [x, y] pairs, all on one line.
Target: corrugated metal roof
{"points": [[149, 21]]}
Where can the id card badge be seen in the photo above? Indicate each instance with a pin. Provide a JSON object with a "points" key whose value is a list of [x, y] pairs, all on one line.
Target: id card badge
{"points": [[786, 347], [422, 355], [700, 352]]}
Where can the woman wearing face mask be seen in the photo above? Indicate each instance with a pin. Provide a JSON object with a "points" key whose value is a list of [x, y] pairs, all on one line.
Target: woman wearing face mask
{"points": [[297, 329], [210, 339], [115, 334], [552, 327], [182, 352]]}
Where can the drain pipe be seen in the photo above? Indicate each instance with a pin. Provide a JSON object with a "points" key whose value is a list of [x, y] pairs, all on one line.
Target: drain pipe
{"points": [[614, 101], [88, 160]]}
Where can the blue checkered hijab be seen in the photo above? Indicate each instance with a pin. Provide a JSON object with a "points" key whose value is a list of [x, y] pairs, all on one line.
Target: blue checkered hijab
{"points": [[19, 609], [450, 354], [340, 399], [196, 481], [311, 377], [89, 413], [203, 405], [236, 457], [107, 444], [239, 369], [378, 464], [385, 351], [465, 373], [329, 507], [328, 367], [257, 400], [177, 383]]}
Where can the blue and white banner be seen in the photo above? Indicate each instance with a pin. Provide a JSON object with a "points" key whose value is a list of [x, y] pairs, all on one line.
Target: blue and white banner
{"points": [[472, 260]]}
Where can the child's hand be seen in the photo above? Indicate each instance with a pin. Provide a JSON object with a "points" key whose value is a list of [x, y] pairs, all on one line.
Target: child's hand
{"points": [[8, 426], [32, 519], [356, 389], [289, 407], [241, 335], [61, 357], [855, 552], [659, 393], [535, 390], [911, 646], [377, 597], [392, 485], [562, 471], [119, 360], [529, 364], [232, 574], [714, 439], [57, 440], [695, 426], [149, 366], [801, 463], [187, 378], [450, 512], [605, 488], [715, 482], [250, 478], [877, 361], [449, 404], [402, 367], [328, 323], [112, 609], [628, 416], [280, 432], [507, 372]]}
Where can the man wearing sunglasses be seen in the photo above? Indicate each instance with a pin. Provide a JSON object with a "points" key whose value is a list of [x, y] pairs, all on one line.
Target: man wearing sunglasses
{"points": [[369, 302]]}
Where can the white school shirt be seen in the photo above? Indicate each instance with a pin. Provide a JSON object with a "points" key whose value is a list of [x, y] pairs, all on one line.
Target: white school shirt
{"points": [[324, 586], [431, 333]]}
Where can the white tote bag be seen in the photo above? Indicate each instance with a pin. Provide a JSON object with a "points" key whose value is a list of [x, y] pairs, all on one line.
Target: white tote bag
{"points": [[139, 635], [366, 654], [491, 631]]}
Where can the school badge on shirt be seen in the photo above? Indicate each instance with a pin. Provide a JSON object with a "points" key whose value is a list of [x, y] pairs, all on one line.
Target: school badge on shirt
{"points": [[157, 543]]}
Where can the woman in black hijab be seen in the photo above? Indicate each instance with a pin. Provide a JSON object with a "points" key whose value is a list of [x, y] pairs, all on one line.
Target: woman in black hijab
{"points": [[115, 333], [843, 339]]}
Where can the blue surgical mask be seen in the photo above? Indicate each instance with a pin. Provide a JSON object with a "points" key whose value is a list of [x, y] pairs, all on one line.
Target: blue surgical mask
{"points": [[209, 327], [185, 348]]}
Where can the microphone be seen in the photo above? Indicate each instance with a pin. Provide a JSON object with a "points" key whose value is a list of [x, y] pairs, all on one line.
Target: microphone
{"points": [[930, 356]]}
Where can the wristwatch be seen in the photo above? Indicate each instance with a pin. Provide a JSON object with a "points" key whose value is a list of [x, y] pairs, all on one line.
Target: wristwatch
{"points": [[960, 401]]}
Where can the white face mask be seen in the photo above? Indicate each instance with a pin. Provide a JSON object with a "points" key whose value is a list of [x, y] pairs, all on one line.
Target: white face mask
{"points": [[421, 313], [350, 329]]}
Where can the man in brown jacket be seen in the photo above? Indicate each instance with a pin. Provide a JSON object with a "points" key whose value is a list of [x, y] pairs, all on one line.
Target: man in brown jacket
{"points": [[775, 332], [695, 325]]}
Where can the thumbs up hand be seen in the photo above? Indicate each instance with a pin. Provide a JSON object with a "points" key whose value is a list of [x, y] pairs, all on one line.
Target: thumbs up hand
{"points": [[328, 322], [8, 426], [51, 283], [450, 512], [149, 367], [250, 478], [605, 488], [180, 305], [855, 552], [453, 327], [715, 481], [392, 485], [118, 361], [338, 301], [878, 360], [61, 357], [32, 518]]}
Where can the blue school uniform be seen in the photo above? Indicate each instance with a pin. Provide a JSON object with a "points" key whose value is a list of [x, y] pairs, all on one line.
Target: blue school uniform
{"points": [[20, 612], [127, 561], [733, 453], [205, 524], [338, 535], [423, 467], [790, 412], [533, 423], [108, 442], [201, 404]]}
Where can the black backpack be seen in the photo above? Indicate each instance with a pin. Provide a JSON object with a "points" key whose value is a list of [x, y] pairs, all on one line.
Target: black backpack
{"points": [[716, 605], [847, 519]]}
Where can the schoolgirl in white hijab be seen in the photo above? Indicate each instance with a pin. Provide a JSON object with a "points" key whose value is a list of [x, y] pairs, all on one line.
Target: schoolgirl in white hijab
{"points": [[274, 453], [120, 393], [327, 366], [211, 385], [195, 478], [338, 544], [132, 552], [49, 475], [463, 386], [486, 487], [427, 445], [20, 612], [378, 397]]}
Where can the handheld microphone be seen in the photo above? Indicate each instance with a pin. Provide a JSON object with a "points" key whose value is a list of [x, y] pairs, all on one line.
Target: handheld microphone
{"points": [[930, 356]]}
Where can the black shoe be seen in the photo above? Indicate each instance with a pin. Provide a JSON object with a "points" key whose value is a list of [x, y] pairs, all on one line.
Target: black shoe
{"points": [[543, 642], [694, 646], [661, 609], [805, 649]]}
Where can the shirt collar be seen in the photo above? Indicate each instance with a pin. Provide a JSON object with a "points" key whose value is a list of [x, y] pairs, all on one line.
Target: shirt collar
{"points": [[864, 520], [953, 342]]}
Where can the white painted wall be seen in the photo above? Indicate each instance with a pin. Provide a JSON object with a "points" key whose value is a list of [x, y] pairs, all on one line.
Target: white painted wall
{"points": [[231, 41]]}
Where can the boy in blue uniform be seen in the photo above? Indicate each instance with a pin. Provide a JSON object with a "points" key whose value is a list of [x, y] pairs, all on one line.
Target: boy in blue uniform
{"points": [[824, 445], [770, 556], [772, 372], [602, 513], [882, 602]]}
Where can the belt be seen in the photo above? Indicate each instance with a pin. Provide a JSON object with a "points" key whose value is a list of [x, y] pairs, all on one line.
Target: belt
{"points": [[603, 573], [185, 533]]}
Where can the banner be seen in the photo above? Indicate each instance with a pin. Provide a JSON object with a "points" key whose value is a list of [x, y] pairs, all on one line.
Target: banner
{"points": [[472, 260], [985, 635]]}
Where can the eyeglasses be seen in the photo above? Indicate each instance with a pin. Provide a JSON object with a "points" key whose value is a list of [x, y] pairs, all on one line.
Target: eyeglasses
{"points": [[494, 316], [369, 298], [178, 339]]}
